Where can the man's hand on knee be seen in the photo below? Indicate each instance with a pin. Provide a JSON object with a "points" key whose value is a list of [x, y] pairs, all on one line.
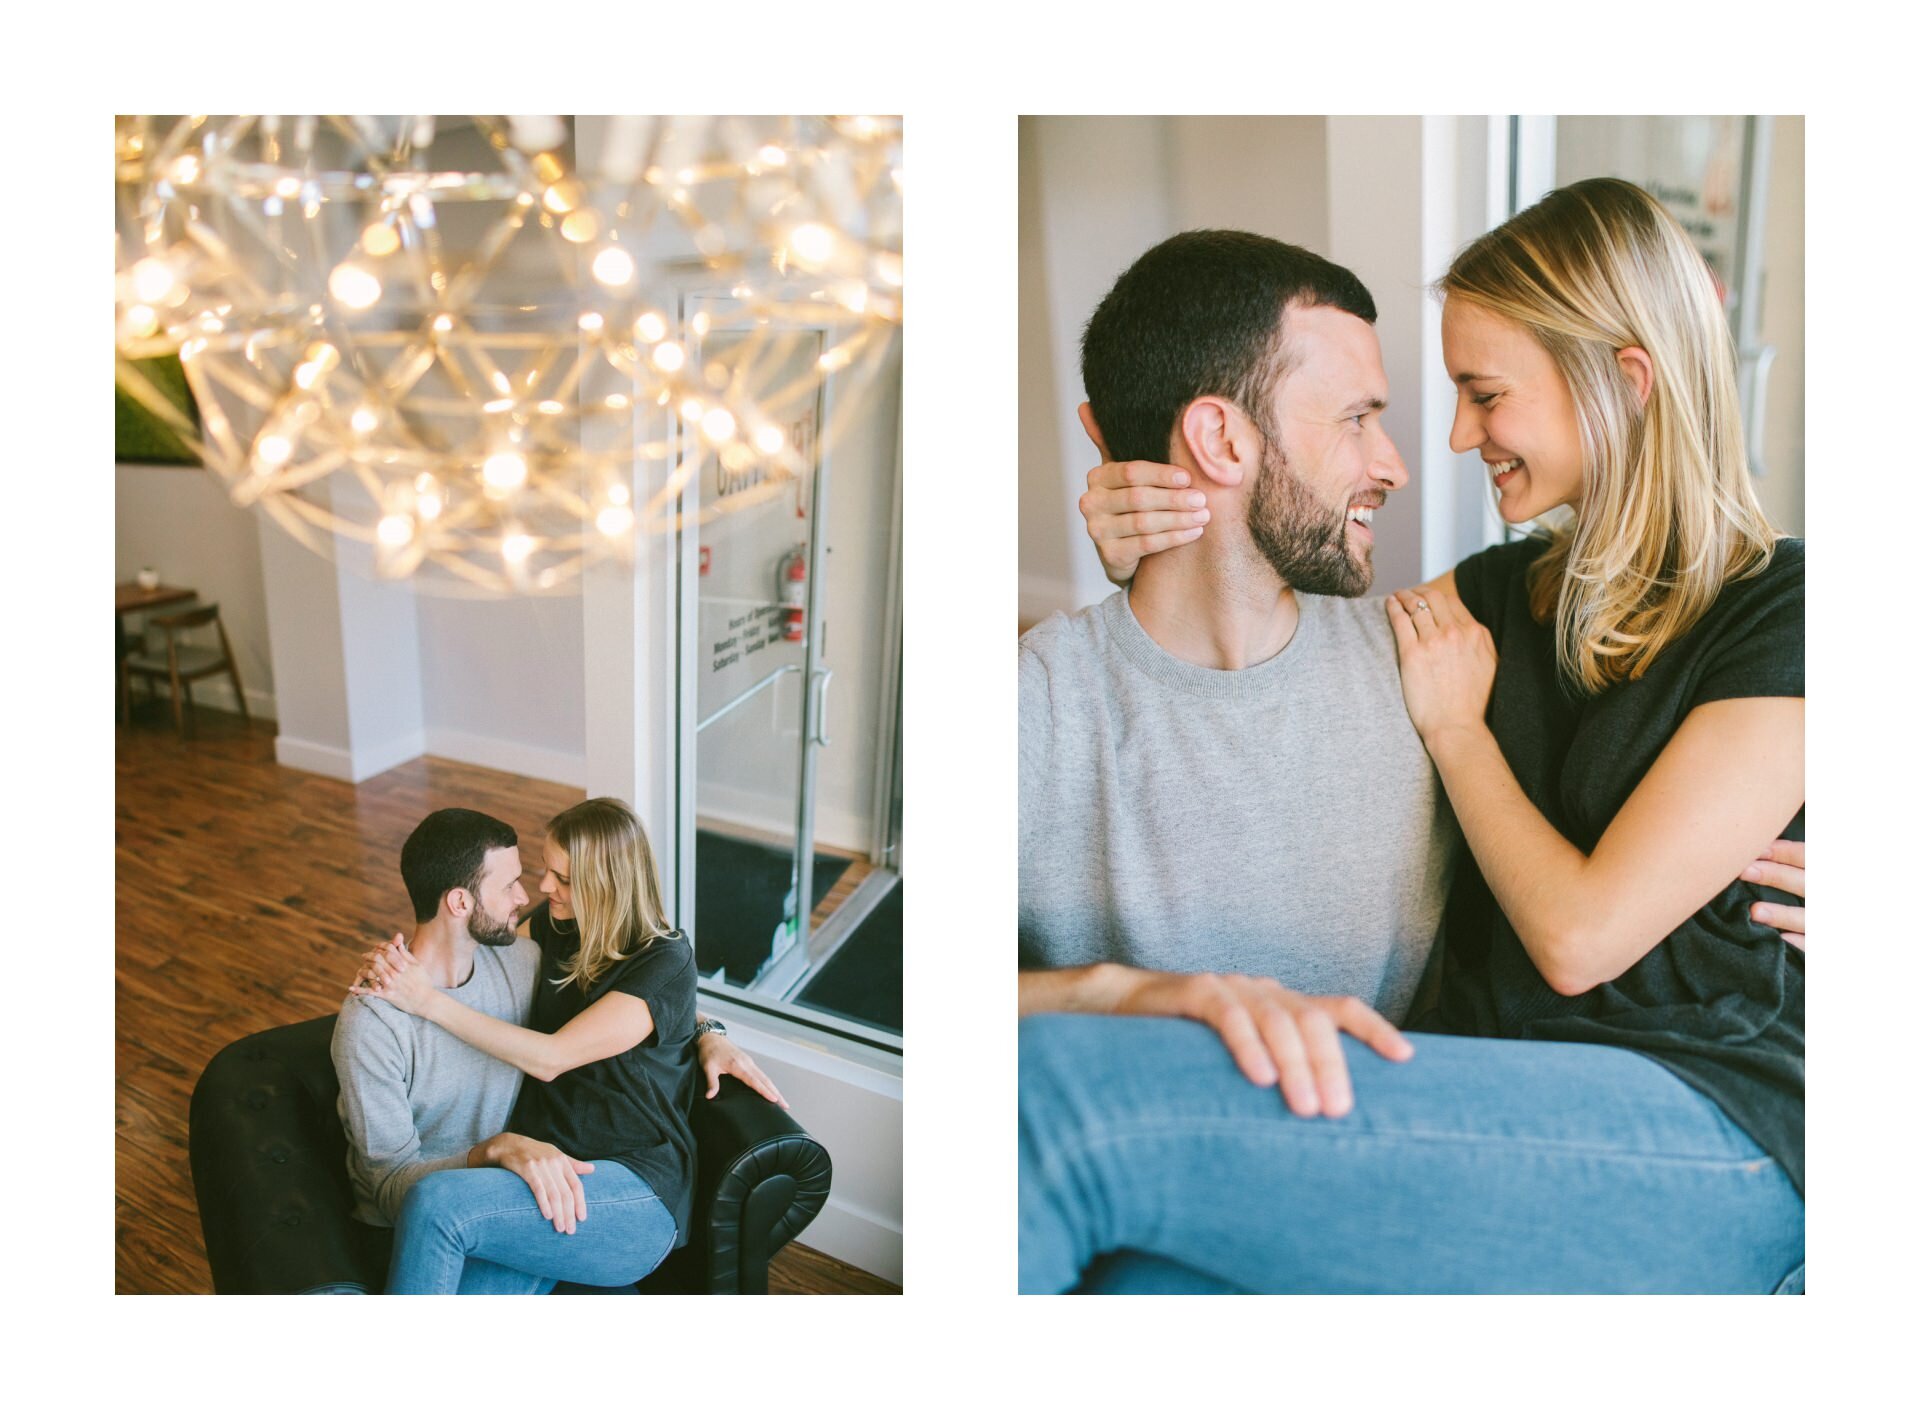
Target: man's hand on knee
{"points": [[552, 1175], [1273, 1033]]}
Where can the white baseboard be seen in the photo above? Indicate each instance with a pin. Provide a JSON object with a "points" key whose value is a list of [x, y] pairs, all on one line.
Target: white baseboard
{"points": [[528, 760], [313, 758], [857, 1237], [371, 759], [354, 766]]}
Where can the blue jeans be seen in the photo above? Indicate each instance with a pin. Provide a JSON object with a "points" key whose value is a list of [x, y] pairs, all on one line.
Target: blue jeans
{"points": [[480, 1231], [1478, 1166]]}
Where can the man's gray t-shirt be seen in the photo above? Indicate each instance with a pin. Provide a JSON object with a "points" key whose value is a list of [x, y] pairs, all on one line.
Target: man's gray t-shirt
{"points": [[413, 1097], [1280, 820]]}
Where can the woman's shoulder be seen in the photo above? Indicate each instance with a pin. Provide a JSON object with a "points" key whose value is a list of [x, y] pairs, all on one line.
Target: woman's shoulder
{"points": [[662, 961], [1484, 580], [1780, 583]]}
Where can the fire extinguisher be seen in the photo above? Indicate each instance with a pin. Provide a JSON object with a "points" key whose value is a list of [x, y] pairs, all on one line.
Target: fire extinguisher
{"points": [[793, 592]]}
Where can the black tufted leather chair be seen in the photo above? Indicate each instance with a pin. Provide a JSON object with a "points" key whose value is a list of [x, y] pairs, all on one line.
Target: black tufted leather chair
{"points": [[269, 1164]]}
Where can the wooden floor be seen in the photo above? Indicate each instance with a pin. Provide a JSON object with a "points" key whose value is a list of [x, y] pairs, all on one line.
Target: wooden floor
{"points": [[243, 893]]}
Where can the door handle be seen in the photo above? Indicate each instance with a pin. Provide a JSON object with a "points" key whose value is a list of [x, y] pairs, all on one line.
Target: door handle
{"points": [[821, 680]]}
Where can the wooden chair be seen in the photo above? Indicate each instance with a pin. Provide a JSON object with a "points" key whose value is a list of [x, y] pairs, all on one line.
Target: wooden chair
{"points": [[180, 662]]}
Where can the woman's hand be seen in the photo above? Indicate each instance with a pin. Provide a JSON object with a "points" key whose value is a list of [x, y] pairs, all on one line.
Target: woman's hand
{"points": [[1783, 867], [389, 972], [1446, 660], [721, 1057], [1136, 507]]}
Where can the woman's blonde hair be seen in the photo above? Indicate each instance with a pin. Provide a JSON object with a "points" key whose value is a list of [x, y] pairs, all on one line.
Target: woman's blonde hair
{"points": [[615, 887], [1667, 515]]}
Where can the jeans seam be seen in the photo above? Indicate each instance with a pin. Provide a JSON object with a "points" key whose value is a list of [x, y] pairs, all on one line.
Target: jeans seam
{"points": [[600, 1204], [1190, 1126]]}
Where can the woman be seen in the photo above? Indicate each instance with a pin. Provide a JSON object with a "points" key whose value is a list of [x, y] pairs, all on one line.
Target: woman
{"points": [[1615, 708], [611, 1049]]}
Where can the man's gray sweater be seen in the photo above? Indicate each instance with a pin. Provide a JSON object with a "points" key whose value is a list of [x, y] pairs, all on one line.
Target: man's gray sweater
{"points": [[413, 1097], [1280, 820]]}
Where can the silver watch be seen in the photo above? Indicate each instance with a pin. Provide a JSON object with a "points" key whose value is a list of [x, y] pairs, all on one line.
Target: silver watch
{"points": [[708, 1025]]}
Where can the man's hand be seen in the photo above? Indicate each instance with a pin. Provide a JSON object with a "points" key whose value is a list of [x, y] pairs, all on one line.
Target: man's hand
{"points": [[720, 1057], [1274, 1033], [552, 1175], [1784, 867]]}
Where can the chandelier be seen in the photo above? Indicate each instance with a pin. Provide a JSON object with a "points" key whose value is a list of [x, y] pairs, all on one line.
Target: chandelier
{"points": [[496, 349]]}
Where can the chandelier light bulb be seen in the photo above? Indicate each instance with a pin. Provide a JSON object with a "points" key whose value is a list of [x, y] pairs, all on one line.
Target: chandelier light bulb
{"points": [[140, 321], [153, 280], [591, 323], [769, 440], [365, 419], [718, 425], [615, 520], [271, 452], [812, 244], [516, 548], [669, 357], [618, 493], [353, 286], [613, 267], [650, 327], [379, 239], [505, 471], [580, 226], [395, 531]]}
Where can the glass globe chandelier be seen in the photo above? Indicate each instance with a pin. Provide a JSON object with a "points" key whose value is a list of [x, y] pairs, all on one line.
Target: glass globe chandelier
{"points": [[495, 349]]}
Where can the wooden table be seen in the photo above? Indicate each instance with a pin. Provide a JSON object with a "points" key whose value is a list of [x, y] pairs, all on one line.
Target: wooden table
{"points": [[131, 597]]}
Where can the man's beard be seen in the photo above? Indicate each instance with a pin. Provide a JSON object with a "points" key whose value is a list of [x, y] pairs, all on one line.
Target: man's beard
{"points": [[1305, 541], [488, 931]]}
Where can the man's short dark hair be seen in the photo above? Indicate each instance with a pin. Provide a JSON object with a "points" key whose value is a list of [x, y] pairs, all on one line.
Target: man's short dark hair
{"points": [[447, 852], [1199, 315]]}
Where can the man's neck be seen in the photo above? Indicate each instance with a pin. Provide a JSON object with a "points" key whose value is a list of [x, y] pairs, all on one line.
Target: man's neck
{"points": [[1214, 605], [446, 949]]}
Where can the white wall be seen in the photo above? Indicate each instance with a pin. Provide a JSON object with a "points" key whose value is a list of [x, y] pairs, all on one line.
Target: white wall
{"points": [[504, 683]]}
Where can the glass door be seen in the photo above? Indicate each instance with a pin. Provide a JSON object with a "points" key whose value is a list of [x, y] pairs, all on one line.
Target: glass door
{"points": [[789, 698]]}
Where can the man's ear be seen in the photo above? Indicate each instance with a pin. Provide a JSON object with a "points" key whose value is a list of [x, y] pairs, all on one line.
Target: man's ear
{"points": [[1092, 429], [458, 902], [1638, 369], [1222, 439]]}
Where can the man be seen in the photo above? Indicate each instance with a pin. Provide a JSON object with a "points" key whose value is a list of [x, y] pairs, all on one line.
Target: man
{"points": [[1239, 749], [413, 1098], [1217, 773]]}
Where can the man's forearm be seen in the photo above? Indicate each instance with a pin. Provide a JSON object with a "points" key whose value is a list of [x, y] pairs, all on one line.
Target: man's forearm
{"points": [[1093, 988]]}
